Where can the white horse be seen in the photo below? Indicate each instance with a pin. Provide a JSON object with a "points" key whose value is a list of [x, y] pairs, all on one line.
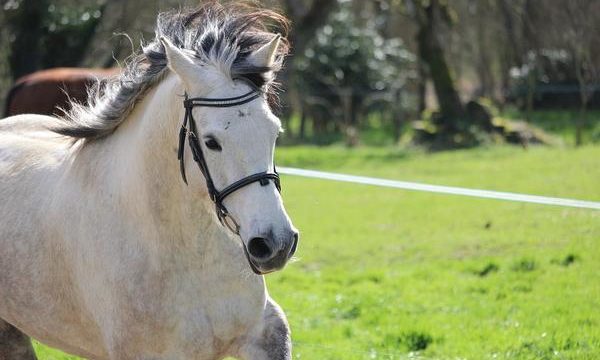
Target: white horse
{"points": [[105, 252]]}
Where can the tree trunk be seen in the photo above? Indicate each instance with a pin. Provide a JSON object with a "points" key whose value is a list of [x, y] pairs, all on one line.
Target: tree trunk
{"points": [[530, 93], [583, 97], [27, 26], [422, 84], [302, 130], [306, 23], [511, 47], [432, 54], [397, 116], [349, 128], [580, 123], [484, 62], [533, 43]]}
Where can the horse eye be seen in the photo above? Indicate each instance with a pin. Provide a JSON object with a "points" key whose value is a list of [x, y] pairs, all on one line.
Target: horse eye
{"points": [[212, 144]]}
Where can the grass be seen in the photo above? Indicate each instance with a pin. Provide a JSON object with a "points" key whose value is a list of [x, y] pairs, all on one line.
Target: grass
{"points": [[560, 122], [391, 274], [386, 273]]}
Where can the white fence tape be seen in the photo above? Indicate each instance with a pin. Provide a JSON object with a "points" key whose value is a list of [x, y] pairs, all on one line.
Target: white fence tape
{"points": [[487, 194]]}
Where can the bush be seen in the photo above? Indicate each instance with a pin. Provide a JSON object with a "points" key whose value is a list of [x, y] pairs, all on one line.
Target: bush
{"points": [[349, 70]]}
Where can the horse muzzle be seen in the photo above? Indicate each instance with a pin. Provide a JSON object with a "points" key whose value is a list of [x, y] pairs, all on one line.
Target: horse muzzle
{"points": [[265, 254]]}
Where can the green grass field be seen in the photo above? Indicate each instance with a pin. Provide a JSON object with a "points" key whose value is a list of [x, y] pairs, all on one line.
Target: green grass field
{"points": [[392, 274]]}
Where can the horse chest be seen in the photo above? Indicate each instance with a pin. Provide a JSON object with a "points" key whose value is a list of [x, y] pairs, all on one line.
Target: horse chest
{"points": [[188, 312]]}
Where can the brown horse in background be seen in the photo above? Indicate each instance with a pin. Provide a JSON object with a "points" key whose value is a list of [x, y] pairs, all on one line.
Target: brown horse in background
{"points": [[47, 91]]}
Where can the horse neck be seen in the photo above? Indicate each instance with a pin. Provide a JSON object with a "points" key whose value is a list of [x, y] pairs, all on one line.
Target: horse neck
{"points": [[143, 172]]}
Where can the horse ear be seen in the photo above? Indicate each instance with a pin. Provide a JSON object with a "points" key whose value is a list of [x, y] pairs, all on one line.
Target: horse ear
{"points": [[178, 61], [265, 55]]}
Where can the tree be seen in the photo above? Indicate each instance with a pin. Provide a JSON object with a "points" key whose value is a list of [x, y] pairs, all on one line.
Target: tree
{"points": [[349, 67], [25, 21], [579, 34], [429, 16], [455, 124], [307, 17], [562, 56], [44, 34]]}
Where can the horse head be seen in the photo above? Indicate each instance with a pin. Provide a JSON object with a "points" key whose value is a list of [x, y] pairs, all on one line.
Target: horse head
{"points": [[231, 133]]}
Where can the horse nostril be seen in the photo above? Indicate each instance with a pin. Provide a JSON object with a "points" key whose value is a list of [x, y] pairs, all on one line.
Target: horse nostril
{"points": [[294, 244], [259, 248]]}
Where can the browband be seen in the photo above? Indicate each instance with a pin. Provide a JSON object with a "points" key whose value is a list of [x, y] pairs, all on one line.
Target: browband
{"points": [[223, 102]]}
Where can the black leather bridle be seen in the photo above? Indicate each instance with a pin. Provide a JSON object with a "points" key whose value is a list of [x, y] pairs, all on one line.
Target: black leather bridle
{"points": [[189, 130]]}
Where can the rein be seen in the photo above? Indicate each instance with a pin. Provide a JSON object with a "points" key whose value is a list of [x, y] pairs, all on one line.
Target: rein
{"points": [[189, 130]]}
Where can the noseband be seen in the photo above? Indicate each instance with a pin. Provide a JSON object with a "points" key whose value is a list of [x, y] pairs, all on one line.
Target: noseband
{"points": [[189, 130]]}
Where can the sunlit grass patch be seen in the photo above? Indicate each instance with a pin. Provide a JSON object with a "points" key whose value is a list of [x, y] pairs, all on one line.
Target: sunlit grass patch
{"points": [[393, 274]]}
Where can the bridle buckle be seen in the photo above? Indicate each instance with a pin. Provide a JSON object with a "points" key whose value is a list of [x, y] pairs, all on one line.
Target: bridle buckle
{"points": [[227, 220]]}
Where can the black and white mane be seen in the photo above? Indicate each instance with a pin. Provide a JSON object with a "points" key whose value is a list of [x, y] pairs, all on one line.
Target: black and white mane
{"points": [[217, 35]]}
